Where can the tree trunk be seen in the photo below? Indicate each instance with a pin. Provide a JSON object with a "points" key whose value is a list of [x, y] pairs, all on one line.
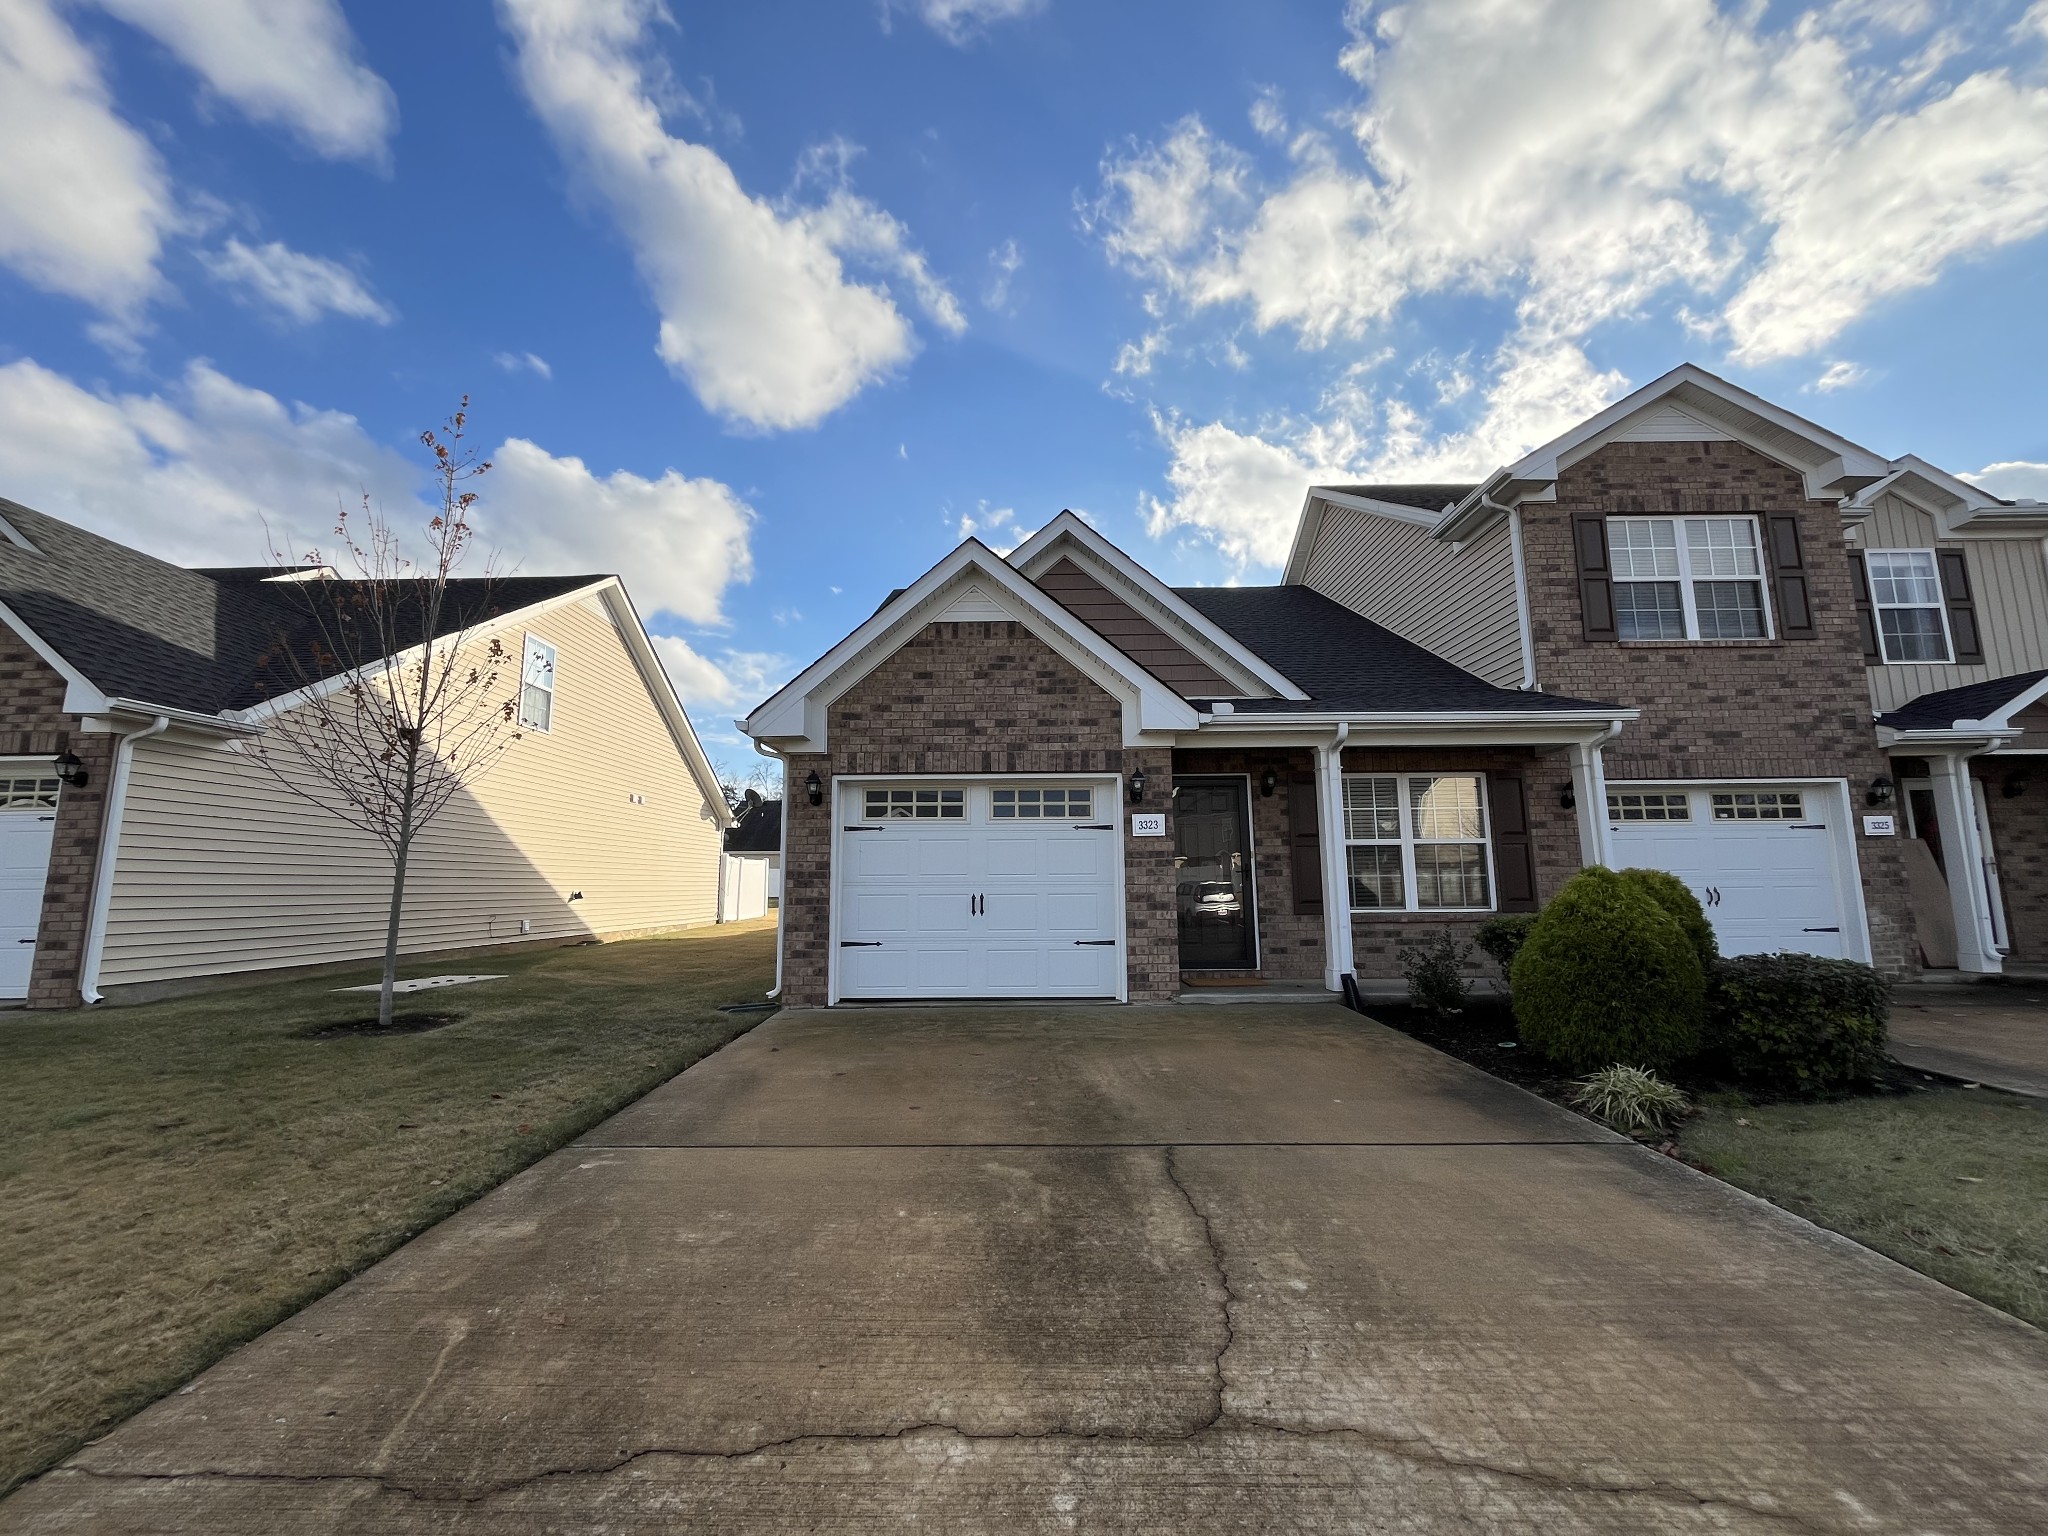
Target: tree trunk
{"points": [[385, 995]]}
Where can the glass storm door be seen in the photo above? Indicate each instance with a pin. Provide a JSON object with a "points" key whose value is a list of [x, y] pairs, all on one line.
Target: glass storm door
{"points": [[1213, 871]]}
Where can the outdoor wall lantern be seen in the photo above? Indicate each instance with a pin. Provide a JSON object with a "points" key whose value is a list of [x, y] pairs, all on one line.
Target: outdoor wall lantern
{"points": [[2015, 784], [1268, 782], [1137, 786], [1567, 799], [1880, 791], [813, 789], [71, 769]]}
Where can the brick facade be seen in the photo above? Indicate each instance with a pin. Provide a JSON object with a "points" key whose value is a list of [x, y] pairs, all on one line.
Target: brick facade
{"points": [[2019, 839], [1745, 709], [974, 698], [33, 725]]}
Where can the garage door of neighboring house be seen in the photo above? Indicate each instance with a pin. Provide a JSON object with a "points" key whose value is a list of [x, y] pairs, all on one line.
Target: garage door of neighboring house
{"points": [[28, 822], [998, 888], [1764, 860]]}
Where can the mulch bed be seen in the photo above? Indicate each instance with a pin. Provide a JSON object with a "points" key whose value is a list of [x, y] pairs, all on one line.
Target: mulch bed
{"points": [[401, 1024]]}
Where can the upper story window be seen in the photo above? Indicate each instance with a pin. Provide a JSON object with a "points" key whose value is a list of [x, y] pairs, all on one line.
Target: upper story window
{"points": [[1905, 591], [1417, 842], [1687, 578], [537, 685]]}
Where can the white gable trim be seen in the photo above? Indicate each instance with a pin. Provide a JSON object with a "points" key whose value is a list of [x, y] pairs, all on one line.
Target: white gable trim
{"points": [[2001, 719], [1833, 467], [1152, 598], [1956, 506], [82, 696], [795, 718]]}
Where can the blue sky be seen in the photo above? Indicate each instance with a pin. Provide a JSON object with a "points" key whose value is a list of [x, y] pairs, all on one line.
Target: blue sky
{"points": [[764, 306]]}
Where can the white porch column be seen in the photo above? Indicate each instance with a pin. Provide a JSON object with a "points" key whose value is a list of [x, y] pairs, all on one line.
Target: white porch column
{"points": [[1337, 961], [1589, 789], [1955, 813]]}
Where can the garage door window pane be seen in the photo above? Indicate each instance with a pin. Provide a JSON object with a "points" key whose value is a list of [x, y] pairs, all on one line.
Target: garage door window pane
{"points": [[1641, 805], [914, 805], [28, 794], [1760, 805]]}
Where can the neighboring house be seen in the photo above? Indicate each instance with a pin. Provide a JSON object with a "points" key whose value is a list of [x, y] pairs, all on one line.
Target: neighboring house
{"points": [[750, 872], [141, 841], [1642, 643]]}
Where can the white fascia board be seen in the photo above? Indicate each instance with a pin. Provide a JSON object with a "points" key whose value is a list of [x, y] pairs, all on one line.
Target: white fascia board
{"points": [[1433, 728], [1041, 552], [82, 696], [2002, 719], [256, 714], [1964, 733], [1305, 531], [794, 718], [1959, 507], [626, 619]]}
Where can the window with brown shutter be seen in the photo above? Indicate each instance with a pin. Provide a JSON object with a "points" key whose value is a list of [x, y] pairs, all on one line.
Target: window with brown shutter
{"points": [[1305, 848], [1514, 854], [1866, 615], [1788, 568], [1596, 576], [1962, 607]]}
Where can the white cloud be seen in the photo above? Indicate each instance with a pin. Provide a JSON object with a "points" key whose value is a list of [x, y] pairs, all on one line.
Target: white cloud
{"points": [[2014, 479], [1626, 148], [527, 362], [960, 22], [1004, 263], [298, 286], [1840, 375], [1268, 118], [742, 678], [195, 474], [84, 200], [289, 62], [757, 311], [1135, 359]]}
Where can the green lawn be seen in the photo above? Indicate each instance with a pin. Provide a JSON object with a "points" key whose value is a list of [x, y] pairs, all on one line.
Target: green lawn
{"points": [[1953, 1181], [175, 1178]]}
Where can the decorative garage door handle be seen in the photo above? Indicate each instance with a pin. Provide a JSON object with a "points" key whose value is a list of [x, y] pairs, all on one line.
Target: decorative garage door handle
{"points": [[1713, 895], [1095, 941], [1820, 930], [1096, 826], [1808, 826], [860, 943]]}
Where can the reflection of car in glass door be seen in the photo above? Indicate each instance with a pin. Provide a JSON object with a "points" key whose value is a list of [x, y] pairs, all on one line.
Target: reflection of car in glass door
{"points": [[1212, 861]]}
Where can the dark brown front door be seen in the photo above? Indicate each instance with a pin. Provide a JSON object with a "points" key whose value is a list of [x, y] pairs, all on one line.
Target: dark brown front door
{"points": [[1212, 857]]}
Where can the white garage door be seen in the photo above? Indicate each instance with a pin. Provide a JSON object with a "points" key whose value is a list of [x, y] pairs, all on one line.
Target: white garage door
{"points": [[1005, 889], [1763, 860], [28, 822]]}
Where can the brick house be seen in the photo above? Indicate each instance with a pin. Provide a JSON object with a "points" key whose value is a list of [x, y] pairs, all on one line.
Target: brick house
{"points": [[142, 842], [1642, 643]]}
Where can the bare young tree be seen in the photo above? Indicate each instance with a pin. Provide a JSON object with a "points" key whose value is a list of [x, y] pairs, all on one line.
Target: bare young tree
{"points": [[396, 704]]}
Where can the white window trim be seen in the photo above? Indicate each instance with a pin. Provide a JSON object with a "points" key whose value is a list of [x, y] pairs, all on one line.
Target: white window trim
{"points": [[1409, 840], [1685, 577], [527, 643], [1940, 605]]}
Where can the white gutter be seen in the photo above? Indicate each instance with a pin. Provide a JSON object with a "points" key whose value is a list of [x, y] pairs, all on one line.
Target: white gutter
{"points": [[1490, 717], [782, 858], [110, 846], [222, 724]]}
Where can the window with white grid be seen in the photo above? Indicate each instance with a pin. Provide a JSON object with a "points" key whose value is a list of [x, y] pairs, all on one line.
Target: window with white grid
{"points": [[1648, 805], [28, 794], [1905, 592], [1687, 578], [914, 805], [1040, 804], [537, 685], [1417, 843], [1760, 805]]}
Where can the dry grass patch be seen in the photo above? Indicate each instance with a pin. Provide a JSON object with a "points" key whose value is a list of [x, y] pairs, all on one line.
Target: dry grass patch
{"points": [[177, 1177], [1952, 1181]]}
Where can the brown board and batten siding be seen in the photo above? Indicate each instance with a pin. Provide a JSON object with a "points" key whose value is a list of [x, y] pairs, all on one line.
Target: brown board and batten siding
{"points": [[2005, 582], [222, 869], [1132, 633], [1456, 600]]}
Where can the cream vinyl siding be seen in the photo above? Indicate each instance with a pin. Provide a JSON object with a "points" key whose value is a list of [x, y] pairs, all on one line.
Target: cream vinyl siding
{"points": [[221, 869], [2009, 584], [1459, 603]]}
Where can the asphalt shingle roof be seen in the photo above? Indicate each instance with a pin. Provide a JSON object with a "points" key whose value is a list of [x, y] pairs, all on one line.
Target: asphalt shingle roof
{"points": [[1430, 498], [758, 829], [1973, 701], [1345, 662], [202, 640]]}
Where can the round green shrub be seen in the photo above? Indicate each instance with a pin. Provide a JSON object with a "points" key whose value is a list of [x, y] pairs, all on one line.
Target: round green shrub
{"points": [[1677, 899], [1798, 1024], [1502, 937], [1608, 976]]}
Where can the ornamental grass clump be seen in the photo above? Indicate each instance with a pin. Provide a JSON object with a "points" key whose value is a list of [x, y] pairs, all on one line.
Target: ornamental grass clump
{"points": [[1632, 1101], [1608, 975]]}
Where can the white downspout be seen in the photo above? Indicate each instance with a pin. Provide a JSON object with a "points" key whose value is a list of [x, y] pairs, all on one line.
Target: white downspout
{"points": [[1589, 789], [782, 859], [110, 846], [1522, 625], [1336, 877]]}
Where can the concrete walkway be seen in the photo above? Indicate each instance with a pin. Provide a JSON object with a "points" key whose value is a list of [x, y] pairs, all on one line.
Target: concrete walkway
{"points": [[1164, 1270], [1993, 1035]]}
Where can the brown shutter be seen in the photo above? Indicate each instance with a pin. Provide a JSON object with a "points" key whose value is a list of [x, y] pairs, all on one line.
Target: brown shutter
{"points": [[1596, 576], [1962, 608], [1866, 615], [1788, 564], [1514, 856], [1304, 847]]}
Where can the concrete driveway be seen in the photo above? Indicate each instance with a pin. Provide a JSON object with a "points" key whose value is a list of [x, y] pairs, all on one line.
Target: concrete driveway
{"points": [[1186, 1270], [1985, 1034]]}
